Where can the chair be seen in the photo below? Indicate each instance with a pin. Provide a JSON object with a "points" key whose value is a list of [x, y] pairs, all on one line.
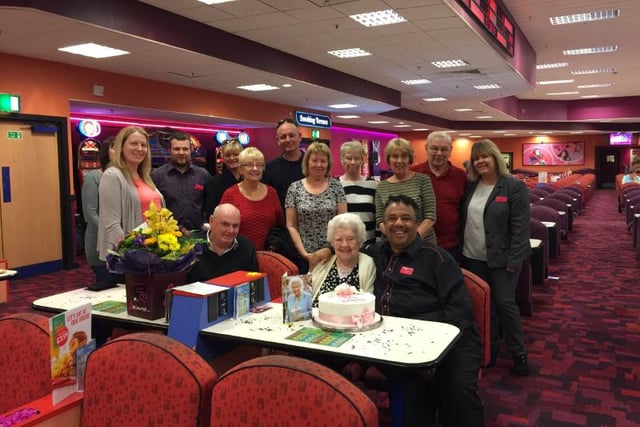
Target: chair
{"points": [[547, 214], [480, 294], [25, 362], [534, 198], [287, 390], [547, 187], [539, 192], [567, 199], [145, 379], [575, 194], [559, 206], [275, 265], [537, 230]]}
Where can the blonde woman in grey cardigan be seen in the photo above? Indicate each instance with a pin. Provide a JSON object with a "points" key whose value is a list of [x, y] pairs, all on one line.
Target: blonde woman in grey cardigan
{"points": [[126, 189]]}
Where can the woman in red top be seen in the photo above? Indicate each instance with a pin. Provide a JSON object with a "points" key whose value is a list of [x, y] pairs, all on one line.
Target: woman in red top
{"points": [[258, 203]]}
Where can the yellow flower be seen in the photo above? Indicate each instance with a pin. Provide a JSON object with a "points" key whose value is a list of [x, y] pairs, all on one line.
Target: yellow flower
{"points": [[149, 241], [168, 243]]}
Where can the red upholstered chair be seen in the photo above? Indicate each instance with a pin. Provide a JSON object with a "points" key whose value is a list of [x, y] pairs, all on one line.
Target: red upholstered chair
{"points": [[145, 379], [287, 390], [480, 294], [275, 265], [25, 364]]}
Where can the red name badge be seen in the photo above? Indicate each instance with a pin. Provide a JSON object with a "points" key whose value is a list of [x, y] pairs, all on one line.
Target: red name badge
{"points": [[501, 199], [407, 271], [198, 187]]}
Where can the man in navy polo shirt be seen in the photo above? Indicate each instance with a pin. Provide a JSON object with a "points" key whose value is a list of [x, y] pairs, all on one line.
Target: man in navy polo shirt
{"points": [[182, 184]]}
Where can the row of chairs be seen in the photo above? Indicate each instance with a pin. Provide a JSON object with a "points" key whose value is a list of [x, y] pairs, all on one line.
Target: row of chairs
{"points": [[550, 203], [150, 379], [629, 204]]}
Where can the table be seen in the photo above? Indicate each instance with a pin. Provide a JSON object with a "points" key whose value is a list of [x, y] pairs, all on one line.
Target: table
{"points": [[552, 234], [537, 261], [103, 322], [4, 282], [394, 343]]}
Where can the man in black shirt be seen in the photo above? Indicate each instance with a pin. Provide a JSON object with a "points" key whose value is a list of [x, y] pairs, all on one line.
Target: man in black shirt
{"points": [[227, 251], [282, 171], [418, 280]]}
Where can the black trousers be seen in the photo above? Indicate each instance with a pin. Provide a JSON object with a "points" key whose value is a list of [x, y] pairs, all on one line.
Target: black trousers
{"points": [[452, 393]]}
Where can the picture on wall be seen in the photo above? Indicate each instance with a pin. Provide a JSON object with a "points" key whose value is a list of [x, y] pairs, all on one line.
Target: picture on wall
{"points": [[553, 154]]}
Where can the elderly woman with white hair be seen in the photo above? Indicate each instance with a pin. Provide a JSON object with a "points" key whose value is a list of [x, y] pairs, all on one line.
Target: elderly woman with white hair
{"points": [[345, 233]]}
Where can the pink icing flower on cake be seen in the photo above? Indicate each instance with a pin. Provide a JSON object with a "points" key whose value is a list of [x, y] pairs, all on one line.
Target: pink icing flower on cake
{"points": [[345, 290]]}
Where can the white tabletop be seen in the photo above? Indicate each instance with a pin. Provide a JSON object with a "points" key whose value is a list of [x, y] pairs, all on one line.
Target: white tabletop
{"points": [[5, 274], [397, 341], [548, 224], [67, 300], [534, 243]]}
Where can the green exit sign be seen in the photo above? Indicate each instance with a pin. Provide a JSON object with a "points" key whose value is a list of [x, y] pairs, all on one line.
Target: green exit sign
{"points": [[315, 133], [14, 134], [9, 103]]}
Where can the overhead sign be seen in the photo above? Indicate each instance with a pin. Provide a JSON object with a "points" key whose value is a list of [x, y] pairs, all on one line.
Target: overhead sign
{"points": [[14, 134], [313, 120]]}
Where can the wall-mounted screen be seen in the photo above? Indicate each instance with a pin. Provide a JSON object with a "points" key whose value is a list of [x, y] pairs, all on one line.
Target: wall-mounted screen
{"points": [[621, 138]]}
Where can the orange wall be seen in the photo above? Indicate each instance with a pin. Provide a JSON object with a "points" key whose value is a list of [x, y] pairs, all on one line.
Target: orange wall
{"points": [[462, 149]]}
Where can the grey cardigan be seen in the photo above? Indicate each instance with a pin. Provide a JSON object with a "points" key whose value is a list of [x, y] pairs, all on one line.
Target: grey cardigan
{"points": [[120, 210]]}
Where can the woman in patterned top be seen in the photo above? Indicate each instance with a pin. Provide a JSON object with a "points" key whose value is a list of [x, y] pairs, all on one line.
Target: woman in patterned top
{"points": [[346, 233], [399, 155], [311, 202]]}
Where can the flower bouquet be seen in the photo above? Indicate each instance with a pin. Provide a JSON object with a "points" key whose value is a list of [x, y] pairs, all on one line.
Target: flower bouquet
{"points": [[153, 257]]}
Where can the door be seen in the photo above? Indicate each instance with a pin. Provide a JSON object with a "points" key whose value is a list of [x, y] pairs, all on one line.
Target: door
{"points": [[30, 214], [607, 166]]}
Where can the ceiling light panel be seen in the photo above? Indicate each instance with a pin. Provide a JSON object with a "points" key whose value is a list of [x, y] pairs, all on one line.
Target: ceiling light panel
{"points": [[463, 110], [563, 93], [93, 50], [594, 86], [416, 82], [349, 116], [341, 106], [585, 17], [590, 50], [555, 82], [594, 71], [450, 63], [378, 18], [552, 65], [436, 99], [487, 87], [349, 53], [261, 87]]}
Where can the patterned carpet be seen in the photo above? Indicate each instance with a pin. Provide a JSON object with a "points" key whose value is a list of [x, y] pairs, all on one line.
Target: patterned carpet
{"points": [[583, 337]]}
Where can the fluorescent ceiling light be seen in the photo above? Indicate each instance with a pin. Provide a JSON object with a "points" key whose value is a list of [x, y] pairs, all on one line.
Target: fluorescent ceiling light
{"points": [[483, 117], [378, 122], [585, 17], [510, 134], [379, 17], [420, 129], [465, 134], [552, 65], [593, 71], [487, 87], [342, 106], [563, 93], [402, 126], [436, 99], [93, 50], [287, 85], [214, 1], [416, 82], [594, 86], [499, 131], [450, 63], [352, 116], [555, 82], [349, 53], [261, 87], [463, 110], [475, 136], [590, 50], [594, 96]]}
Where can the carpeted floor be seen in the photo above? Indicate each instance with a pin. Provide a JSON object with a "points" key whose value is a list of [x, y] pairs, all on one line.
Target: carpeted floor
{"points": [[583, 337]]}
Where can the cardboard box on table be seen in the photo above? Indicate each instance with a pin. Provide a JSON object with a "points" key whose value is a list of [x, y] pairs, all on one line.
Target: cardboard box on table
{"points": [[198, 305]]}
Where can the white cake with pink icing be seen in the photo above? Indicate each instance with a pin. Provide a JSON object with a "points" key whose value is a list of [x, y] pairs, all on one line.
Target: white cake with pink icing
{"points": [[347, 306]]}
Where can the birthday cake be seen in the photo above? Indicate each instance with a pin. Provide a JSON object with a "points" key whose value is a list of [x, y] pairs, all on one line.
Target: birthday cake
{"points": [[347, 306]]}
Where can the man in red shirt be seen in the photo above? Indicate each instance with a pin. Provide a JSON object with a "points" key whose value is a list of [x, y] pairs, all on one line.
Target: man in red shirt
{"points": [[449, 183]]}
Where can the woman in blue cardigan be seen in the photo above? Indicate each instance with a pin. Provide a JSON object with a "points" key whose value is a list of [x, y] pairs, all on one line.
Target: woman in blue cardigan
{"points": [[496, 243]]}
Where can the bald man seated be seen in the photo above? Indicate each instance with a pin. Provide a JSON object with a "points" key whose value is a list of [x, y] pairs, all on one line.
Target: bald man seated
{"points": [[226, 251]]}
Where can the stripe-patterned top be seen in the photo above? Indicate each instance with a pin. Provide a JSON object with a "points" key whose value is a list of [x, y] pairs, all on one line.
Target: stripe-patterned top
{"points": [[361, 201]]}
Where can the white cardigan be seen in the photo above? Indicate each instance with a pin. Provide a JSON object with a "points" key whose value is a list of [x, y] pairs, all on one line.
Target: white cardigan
{"points": [[366, 273]]}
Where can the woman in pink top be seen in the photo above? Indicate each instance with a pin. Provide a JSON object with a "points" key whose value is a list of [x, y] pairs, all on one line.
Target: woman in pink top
{"points": [[126, 189], [258, 203]]}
